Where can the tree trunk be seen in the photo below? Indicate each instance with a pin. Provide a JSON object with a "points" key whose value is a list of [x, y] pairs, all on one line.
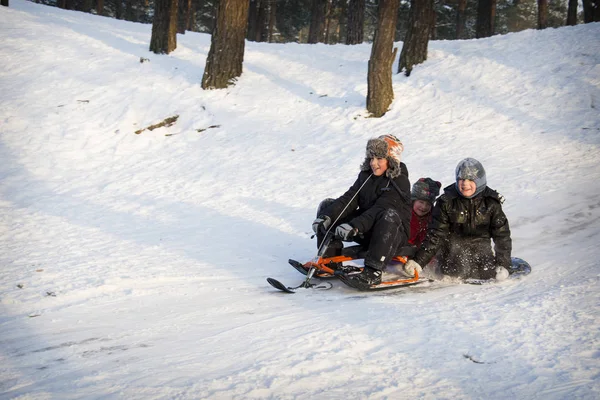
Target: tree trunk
{"points": [[129, 15], [486, 16], [182, 15], [261, 20], [342, 21], [86, 6], [542, 14], [191, 23], [164, 27], [119, 9], [572, 12], [4, 3], [356, 22], [100, 7], [226, 54], [272, 18], [326, 29], [317, 21], [591, 11], [461, 19], [433, 24], [252, 18], [414, 49], [380, 92]]}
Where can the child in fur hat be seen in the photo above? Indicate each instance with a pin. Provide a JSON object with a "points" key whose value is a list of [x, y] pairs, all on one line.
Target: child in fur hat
{"points": [[423, 195], [374, 212], [465, 220]]}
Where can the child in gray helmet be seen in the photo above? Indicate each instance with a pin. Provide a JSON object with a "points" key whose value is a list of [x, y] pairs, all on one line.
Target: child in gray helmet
{"points": [[465, 220]]}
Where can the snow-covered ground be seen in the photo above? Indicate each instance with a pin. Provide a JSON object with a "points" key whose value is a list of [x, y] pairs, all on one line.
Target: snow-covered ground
{"points": [[133, 266]]}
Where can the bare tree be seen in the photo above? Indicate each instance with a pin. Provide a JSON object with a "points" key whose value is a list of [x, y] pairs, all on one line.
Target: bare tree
{"points": [[542, 14], [380, 92], [572, 12], [356, 22], [420, 25], [227, 44], [461, 19], [164, 27], [486, 16], [316, 30]]}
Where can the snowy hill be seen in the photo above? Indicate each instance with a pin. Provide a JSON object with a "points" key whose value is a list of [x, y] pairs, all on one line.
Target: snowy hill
{"points": [[133, 265]]}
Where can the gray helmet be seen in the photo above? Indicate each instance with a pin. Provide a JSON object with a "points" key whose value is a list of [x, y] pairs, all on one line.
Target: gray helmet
{"points": [[471, 169]]}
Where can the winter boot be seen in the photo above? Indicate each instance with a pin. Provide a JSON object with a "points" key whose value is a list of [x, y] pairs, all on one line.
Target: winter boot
{"points": [[519, 267], [367, 278], [335, 266]]}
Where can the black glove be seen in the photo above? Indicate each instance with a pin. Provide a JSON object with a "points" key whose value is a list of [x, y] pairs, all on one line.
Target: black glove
{"points": [[320, 224], [346, 232]]}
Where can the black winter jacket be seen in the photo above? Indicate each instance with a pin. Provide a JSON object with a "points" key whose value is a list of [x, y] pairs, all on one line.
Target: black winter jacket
{"points": [[461, 230], [379, 194]]}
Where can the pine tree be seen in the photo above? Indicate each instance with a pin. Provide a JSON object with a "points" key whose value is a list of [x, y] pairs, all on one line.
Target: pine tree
{"points": [[542, 14], [486, 16], [316, 31], [356, 22], [591, 11], [461, 19], [380, 92], [420, 24], [572, 12], [164, 27], [226, 54]]}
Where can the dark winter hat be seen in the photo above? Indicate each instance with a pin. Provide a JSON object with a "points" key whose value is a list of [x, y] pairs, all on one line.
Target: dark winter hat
{"points": [[425, 189], [471, 169], [388, 147]]}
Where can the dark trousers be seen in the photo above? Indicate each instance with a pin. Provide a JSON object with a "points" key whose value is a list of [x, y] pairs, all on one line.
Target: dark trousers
{"points": [[467, 258], [382, 242]]}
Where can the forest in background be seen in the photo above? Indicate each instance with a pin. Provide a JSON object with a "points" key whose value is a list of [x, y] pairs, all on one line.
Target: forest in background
{"points": [[284, 21]]}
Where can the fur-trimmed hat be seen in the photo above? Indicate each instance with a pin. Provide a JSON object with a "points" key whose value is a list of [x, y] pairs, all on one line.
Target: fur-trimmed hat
{"points": [[425, 189], [388, 147], [471, 169]]}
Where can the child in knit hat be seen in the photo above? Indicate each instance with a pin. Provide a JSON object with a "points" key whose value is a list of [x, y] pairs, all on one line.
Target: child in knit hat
{"points": [[466, 218], [423, 195], [374, 212]]}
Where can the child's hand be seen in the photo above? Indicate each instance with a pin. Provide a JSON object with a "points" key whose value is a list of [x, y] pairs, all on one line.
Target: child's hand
{"points": [[321, 224], [346, 232], [411, 266]]}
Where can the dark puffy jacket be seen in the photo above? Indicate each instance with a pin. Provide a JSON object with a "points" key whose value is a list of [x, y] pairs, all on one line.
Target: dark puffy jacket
{"points": [[379, 194], [461, 230]]}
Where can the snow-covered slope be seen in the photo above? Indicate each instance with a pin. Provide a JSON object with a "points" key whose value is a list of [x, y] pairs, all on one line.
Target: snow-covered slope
{"points": [[133, 266]]}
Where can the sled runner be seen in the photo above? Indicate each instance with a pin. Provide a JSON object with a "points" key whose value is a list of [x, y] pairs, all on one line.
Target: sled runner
{"points": [[517, 269]]}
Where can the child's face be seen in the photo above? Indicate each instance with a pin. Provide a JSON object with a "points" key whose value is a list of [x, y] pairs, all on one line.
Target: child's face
{"points": [[467, 187], [421, 207], [378, 166]]}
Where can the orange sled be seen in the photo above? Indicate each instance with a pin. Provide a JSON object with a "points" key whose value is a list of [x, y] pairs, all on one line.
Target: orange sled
{"points": [[330, 267]]}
